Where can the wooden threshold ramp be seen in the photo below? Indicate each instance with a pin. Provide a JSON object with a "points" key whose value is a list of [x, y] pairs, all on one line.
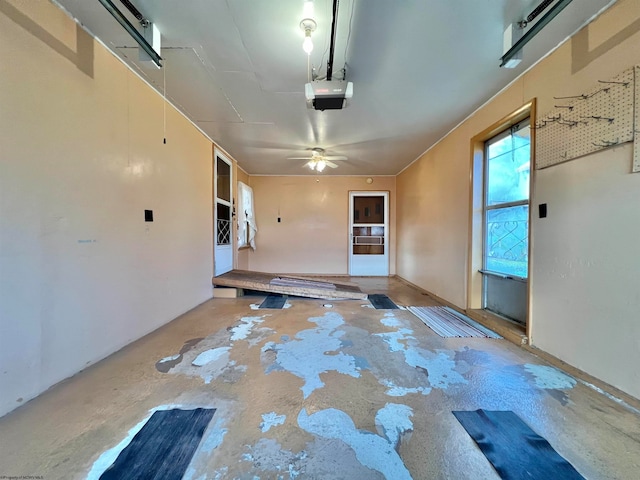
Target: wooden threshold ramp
{"points": [[289, 285]]}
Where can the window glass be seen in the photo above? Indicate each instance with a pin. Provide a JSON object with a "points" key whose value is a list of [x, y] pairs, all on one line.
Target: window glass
{"points": [[223, 184], [369, 209], [508, 167], [507, 240]]}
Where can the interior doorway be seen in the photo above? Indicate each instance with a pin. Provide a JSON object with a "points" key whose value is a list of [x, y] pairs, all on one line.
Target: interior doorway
{"points": [[222, 215], [369, 233]]}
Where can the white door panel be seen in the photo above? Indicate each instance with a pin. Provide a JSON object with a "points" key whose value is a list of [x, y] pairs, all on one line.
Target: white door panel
{"points": [[222, 215], [369, 233]]}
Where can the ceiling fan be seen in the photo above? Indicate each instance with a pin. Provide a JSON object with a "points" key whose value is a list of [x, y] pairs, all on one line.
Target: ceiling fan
{"points": [[319, 160]]}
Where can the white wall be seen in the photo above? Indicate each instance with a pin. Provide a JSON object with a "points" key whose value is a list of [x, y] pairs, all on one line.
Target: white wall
{"points": [[586, 297], [81, 158], [313, 234]]}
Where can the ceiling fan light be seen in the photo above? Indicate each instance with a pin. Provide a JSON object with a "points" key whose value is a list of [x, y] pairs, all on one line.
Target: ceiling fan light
{"points": [[312, 164], [320, 165]]}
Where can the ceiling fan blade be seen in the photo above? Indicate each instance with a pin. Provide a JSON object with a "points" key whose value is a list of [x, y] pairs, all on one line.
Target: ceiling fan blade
{"points": [[330, 164], [299, 158], [335, 157]]}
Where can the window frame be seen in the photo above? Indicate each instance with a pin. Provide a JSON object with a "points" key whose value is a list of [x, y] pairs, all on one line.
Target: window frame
{"points": [[507, 132]]}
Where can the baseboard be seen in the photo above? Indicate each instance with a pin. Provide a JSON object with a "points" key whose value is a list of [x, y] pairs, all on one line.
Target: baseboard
{"points": [[590, 381]]}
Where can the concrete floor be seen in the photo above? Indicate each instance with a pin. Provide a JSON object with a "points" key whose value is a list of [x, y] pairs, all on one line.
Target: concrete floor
{"points": [[296, 391]]}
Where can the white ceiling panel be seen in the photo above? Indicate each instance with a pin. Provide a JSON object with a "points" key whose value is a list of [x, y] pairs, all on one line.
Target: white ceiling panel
{"points": [[419, 67]]}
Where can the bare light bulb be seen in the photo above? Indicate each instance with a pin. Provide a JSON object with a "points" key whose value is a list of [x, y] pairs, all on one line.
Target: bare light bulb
{"points": [[307, 44]]}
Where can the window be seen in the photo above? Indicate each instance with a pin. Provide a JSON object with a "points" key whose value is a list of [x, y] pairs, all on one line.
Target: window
{"points": [[246, 217], [506, 204]]}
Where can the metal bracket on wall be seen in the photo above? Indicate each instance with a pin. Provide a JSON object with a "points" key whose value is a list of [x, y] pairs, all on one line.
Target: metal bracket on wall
{"points": [[137, 36]]}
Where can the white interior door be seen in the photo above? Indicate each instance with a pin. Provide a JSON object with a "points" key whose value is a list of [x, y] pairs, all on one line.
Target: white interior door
{"points": [[222, 215], [369, 233]]}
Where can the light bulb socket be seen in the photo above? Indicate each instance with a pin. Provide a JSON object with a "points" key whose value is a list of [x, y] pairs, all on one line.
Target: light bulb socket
{"points": [[308, 24]]}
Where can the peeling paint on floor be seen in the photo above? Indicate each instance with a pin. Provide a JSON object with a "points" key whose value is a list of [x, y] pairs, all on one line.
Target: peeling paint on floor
{"points": [[393, 423], [383, 413], [214, 361], [550, 377], [398, 391], [314, 351], [440, 366], [390, 320], [212, 355], [371, 450], [167, 363], [271, 419], [214, 435], [268, 456], [243, 330]]}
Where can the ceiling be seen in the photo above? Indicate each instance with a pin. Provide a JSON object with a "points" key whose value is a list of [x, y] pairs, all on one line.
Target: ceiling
{"points": [[236, 68]]}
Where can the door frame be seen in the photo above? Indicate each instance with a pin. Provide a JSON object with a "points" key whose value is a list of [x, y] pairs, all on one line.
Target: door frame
{"points": [[387, 223], [219, 251]]}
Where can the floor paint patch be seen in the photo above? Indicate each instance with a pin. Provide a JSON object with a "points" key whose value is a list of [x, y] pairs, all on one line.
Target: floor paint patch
{"points": [[394, 390], [312, 352], [214, 436], [393, 422], [167, 363], [221, 473], [371, 450], [243, 330], [390, 320], [267, 456], [212, 355], [209, 361], [440, 367], [549, 377], [394, 339], [271, 420], [169, 359]]}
